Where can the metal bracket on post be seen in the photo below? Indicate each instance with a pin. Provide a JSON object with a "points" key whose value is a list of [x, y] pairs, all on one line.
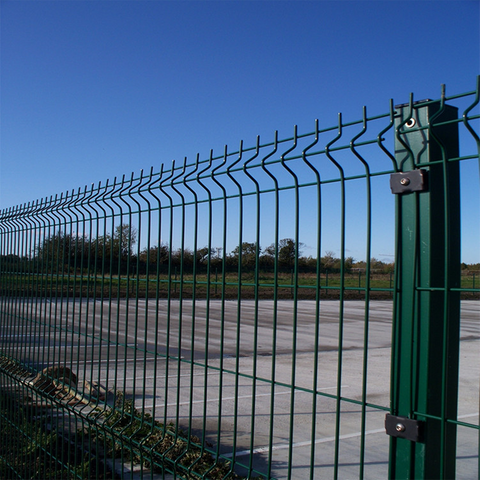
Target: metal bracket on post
{"points": [[407, 182], [403, 427]]}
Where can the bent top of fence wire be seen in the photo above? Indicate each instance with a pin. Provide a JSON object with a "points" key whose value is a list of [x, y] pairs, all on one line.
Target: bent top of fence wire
{"points": [[342, 152]]}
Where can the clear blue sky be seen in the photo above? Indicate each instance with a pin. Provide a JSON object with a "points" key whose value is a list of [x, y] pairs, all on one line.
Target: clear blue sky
{"points": [[95, 89]]}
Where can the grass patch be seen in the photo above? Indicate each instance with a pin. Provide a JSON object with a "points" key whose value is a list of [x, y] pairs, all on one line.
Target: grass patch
{"points": [[307, 286], [30, 450], [135, 437]]}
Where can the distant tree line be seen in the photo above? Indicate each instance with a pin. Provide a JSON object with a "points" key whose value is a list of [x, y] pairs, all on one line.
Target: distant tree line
{"points": [[114, 254]]}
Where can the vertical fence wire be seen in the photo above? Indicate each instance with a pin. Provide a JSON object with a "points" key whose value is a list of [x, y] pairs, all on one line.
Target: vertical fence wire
{"points": [[342, 290]]}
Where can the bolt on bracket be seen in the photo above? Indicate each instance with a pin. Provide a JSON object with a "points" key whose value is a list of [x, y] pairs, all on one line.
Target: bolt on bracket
{"points": [[407, 182], [403, 427]]}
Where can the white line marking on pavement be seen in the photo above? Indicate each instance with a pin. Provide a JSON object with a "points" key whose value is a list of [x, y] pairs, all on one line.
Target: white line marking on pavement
{"points": [[288, 392], [468, 415], [223, 398], [321, 440], [284, 446]]}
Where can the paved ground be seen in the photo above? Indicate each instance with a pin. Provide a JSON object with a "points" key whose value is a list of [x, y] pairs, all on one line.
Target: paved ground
{"points": [[226, 378]]}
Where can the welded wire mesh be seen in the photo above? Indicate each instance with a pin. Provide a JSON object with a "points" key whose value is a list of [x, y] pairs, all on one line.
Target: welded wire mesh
{"points": [[223, 316]]}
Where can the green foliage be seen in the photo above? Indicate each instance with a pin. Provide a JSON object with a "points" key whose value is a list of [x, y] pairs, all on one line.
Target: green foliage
{"points": [[62, 252], [29, 450], [248, 252], [136, 437]]}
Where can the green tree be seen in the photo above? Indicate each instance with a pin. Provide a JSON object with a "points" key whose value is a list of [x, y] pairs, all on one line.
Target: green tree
{"points": [[125, 237], [156, 254], [329, 261], [287, 252], [60, 251], [248, 252], [204, 255]]}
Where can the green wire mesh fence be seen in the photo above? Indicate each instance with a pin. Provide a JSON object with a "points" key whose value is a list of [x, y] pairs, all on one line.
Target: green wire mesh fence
{"points": [[227, 317]]}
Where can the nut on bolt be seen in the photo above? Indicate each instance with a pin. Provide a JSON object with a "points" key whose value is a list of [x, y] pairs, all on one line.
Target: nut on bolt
{"points": [[405, 181]]}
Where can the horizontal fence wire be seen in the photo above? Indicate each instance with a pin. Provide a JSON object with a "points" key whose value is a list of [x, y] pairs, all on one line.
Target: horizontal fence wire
{"points": [[220, 316]]}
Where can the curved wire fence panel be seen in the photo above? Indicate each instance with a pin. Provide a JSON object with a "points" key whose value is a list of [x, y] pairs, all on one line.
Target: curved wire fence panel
{"points": [[244, 314]]}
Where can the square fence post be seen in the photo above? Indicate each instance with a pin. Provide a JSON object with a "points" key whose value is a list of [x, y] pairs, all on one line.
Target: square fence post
{"points": [[425, 351]]}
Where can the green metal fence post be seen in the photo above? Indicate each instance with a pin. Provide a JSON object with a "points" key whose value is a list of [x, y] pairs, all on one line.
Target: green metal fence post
{"points": [[427, 307]]}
